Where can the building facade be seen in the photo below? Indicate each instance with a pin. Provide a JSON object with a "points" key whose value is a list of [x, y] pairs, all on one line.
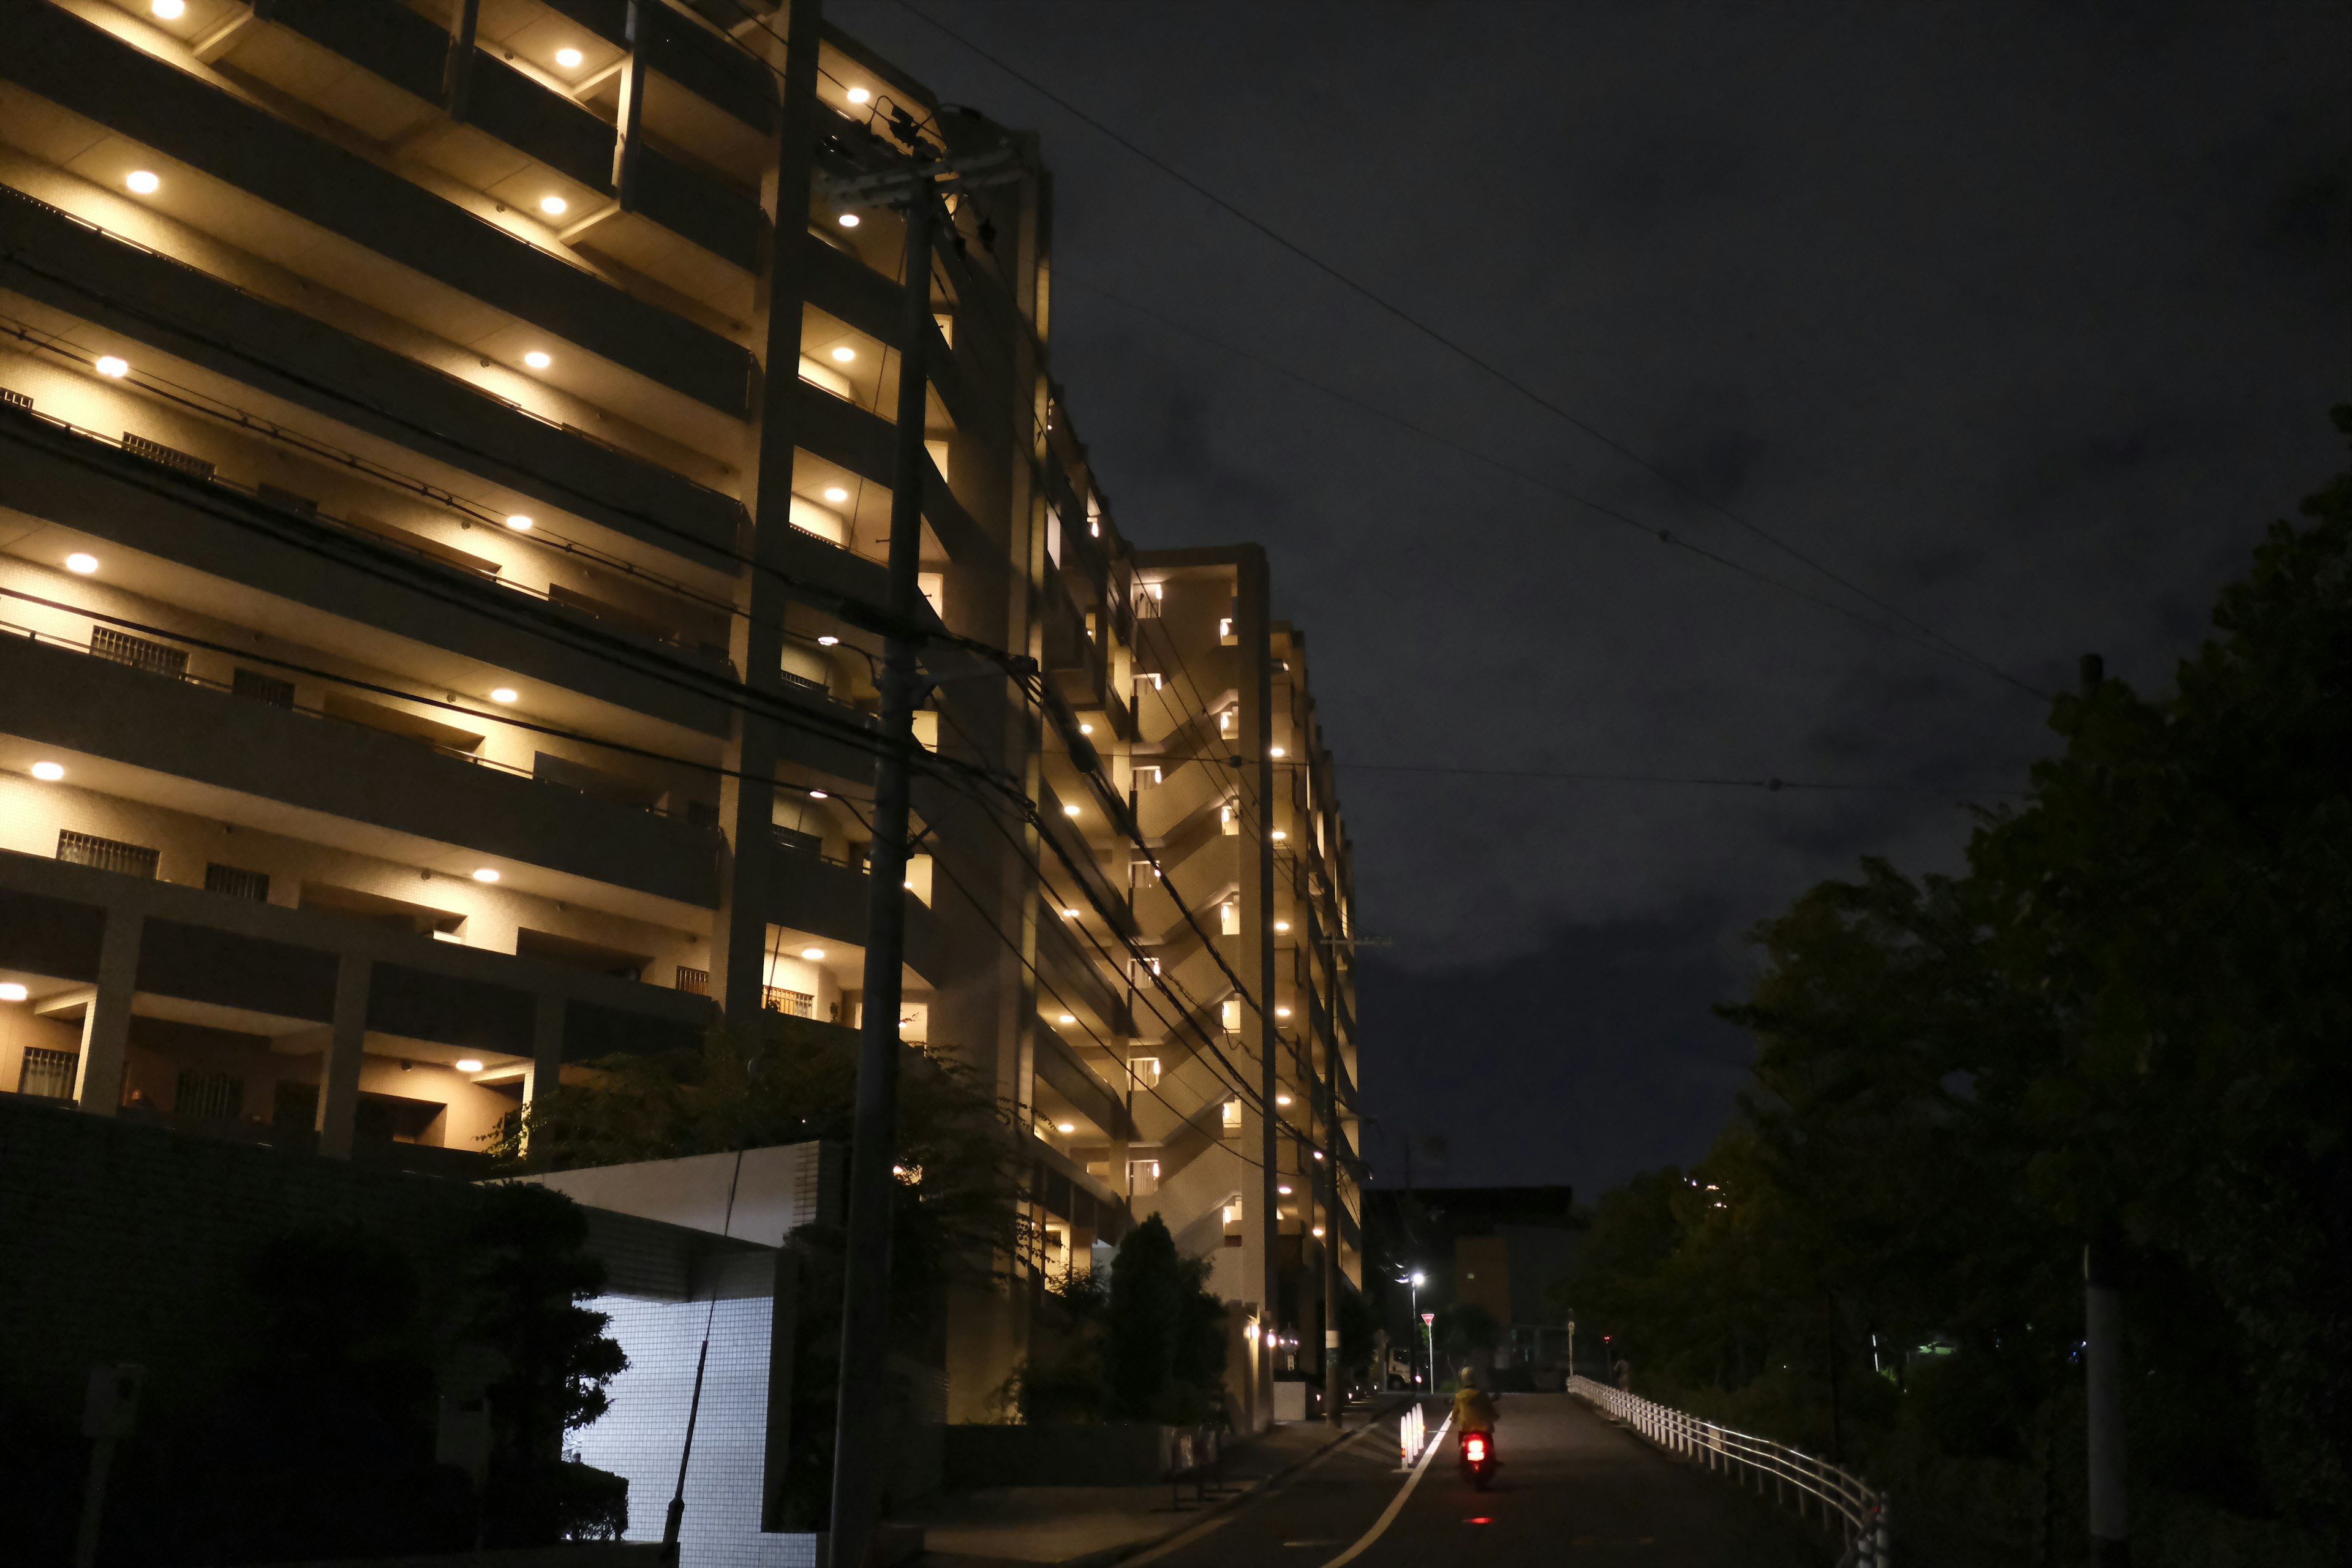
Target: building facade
{"points": [[446, 465]]}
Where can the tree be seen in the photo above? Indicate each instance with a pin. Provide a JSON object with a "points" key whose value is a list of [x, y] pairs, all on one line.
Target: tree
{"points": [[1164, 1347], [2129, 1011]]}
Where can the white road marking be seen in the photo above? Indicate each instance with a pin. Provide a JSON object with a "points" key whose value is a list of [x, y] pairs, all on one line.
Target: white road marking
{"points": [[1396, 1503]]}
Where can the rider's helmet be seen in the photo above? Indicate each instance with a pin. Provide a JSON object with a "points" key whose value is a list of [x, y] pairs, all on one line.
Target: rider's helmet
{"points": [[1469, 1377]]}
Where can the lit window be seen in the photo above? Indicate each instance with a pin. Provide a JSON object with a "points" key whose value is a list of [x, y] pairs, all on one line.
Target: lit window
{"points": [[812, 953], [483, 874], [538, 360], [520, 523], [835, 494], [1233, 1212], [143, 181], [1231, 1018], [843, 354], [1224, 625], [569, 58], [554, 206], [847, 220], [113, 366], [504, 694], [82, 563], [1232, 1114], [48, 773]]}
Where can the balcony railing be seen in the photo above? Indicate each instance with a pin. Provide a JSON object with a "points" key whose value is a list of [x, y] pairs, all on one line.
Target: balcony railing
{"points": [[151, 666]]}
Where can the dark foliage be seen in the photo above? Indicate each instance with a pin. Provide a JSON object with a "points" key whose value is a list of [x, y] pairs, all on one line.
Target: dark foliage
{"points": [[2130, 1013]]}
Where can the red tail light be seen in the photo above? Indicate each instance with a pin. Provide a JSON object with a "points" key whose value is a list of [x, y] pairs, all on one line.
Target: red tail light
{"points": [[1475, 1448]]}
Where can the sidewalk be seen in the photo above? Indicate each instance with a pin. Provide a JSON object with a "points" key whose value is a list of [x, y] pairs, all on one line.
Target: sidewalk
{"points": [[1071, 1526]]}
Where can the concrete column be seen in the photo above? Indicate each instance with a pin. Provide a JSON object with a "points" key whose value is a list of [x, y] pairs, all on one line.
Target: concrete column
{"points": [[546, 1045], [106, 1024], [339, 1081], [1253, 743], [747, 794]]}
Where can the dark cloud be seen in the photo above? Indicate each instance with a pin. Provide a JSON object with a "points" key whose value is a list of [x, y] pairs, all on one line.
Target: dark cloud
{"points": [[2025, 319]]}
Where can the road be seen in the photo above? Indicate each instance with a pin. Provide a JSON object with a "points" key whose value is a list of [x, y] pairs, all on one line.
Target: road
{"points": [[1572, 1486]]}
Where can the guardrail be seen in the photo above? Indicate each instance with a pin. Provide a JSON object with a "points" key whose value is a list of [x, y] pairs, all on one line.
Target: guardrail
{"points": [[1840, 1499]]}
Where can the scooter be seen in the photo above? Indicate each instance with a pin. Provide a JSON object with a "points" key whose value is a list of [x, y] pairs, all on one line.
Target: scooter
{"points": [[1477, 1453]]}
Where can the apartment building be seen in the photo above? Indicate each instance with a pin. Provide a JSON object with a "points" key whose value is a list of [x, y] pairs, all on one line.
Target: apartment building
{"points": [[445, 448]]}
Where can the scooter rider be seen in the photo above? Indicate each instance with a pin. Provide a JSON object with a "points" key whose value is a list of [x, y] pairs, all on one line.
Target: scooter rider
{"points": [[1473, 1410]]}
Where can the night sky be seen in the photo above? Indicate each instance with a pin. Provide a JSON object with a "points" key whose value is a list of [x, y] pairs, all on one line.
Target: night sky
{"points": [[2022, 319]]}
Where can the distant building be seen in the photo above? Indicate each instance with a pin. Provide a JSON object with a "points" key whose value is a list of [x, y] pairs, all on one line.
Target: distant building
{"points": [[1499, 1249]]}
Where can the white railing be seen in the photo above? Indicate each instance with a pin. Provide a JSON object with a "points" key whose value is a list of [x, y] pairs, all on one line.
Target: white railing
{"points": [[1412, 1434], [1838, 1498]]}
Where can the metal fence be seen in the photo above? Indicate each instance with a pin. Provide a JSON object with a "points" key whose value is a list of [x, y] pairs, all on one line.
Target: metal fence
{"points": [[1838, 1499]]}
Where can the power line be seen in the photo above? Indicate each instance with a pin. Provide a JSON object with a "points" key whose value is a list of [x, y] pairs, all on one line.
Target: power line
{"points": [[1460, 349]]}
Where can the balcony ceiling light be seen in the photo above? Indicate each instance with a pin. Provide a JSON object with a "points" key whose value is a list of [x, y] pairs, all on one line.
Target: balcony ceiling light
{"points": [[1284, 1189], [143, 181], [828, 640], [569, 58], [1277, 836], [847, 220], [860, 95], [818, 794], [1069, 914], [504, 694], [113, 366], [538, 359], [1318, 1232], [1065, 1128], [520, 523], [468, 1064], [1282, 1012], [48, 772], [1282, 1100], [554, 206], [1070, 1018], [812, 953], [483, 874], [1282, 925], [11, 991], [1069, 811], [843, 354], [168, 10], [1275, 751], [835, 494], [1086, 728], [82, 563]]}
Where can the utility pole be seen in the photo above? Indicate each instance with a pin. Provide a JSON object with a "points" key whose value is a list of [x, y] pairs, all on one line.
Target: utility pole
{"points": [[2103, 1350], [860, 1433], [1332, 1211]]}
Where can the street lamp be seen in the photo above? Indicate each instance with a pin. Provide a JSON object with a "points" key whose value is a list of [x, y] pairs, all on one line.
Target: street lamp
{"points": [[1415, 1280]]}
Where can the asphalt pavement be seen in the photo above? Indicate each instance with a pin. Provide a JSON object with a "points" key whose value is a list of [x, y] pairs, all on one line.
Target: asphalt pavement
{"points": [[1572, 1486]]}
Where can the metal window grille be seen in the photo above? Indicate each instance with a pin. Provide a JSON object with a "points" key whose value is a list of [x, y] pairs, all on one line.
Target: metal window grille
{"points": [[793, 839], [107, 853], [154, 658], [169, 457], [215, 1096], [803, 683], [798, 1003], [47, 1074], [236, 883], [1147, 601], [260, 688], [13, 398], [694, 982]]}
